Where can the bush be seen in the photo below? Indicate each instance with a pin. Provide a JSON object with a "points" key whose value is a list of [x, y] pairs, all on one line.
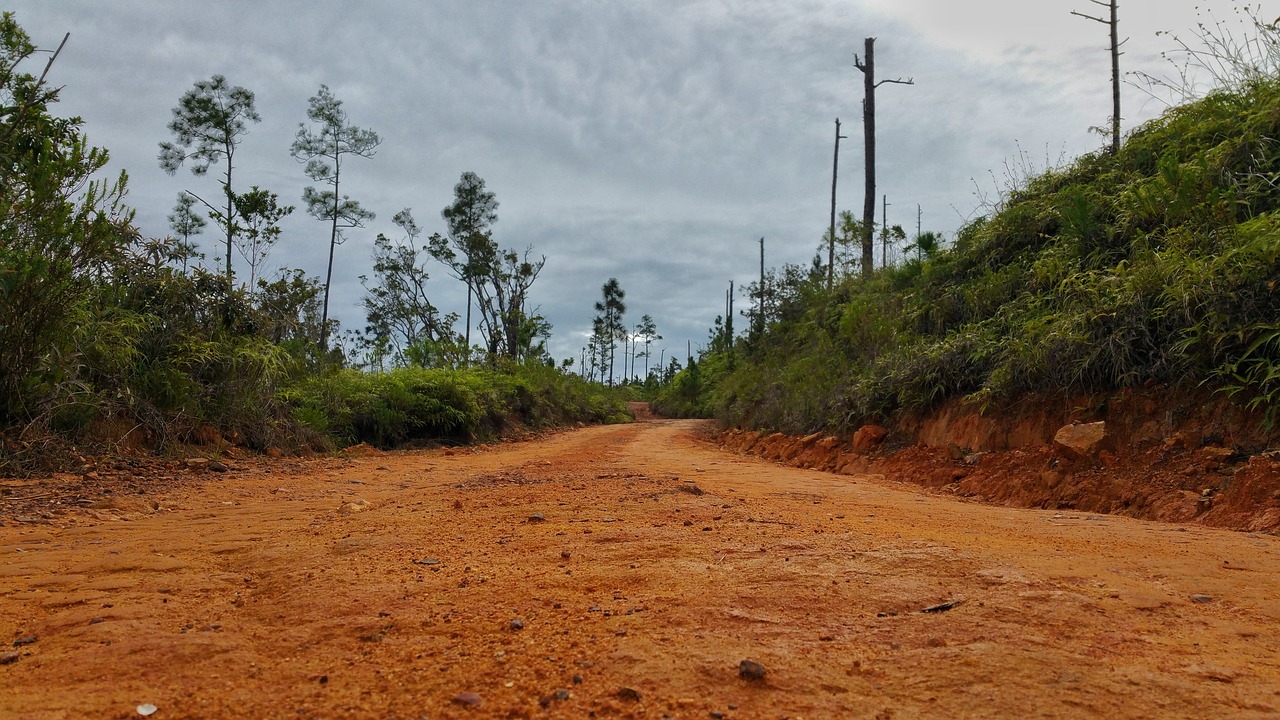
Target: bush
{"points": [[413, 404]]}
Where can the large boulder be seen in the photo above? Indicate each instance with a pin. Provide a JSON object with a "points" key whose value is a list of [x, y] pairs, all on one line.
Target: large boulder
{"points": [[1082, 441]]}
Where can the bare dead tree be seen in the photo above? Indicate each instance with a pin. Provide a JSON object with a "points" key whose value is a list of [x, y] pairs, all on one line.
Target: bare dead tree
{"points": [[831, 240], [1114, 24], [868, 68]]}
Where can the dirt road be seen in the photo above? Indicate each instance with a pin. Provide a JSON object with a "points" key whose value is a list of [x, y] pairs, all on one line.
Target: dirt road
{"points": [[623, 571]]}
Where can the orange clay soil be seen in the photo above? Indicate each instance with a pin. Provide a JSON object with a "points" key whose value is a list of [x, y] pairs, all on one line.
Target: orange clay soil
{"points": [[620, 571]]}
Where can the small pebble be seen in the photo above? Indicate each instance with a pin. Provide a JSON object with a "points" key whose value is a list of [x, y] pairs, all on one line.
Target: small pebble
{"points": [[9, 658], [467, 699], [627, 693], [517, 624], [537, 518], [28, 640], [1201, 598]]}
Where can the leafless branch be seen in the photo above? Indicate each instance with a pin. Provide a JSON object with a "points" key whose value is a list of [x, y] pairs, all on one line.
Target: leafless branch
{"points": [[35, 96], [1090, 17]]}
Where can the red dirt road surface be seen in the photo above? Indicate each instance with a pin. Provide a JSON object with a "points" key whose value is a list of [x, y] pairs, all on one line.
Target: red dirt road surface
{"points": [[621, 572]]}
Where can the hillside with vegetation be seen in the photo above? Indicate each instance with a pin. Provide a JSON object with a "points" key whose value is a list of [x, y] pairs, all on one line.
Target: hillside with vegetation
{"points": [[107, 337], [1156, 265]]}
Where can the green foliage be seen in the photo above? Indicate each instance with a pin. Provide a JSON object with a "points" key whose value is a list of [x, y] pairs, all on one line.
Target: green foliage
{"points": [[207, 127], [1156, 264], [58, 229], [414, 403]]}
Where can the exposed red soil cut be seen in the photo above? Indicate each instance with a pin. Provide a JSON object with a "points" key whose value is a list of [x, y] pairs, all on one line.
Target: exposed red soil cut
{"points": [[1205, 464]]}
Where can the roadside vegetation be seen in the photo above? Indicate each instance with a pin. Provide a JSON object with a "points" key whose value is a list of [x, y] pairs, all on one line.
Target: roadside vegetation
{"points": [[105, 334], [1157, 264]]}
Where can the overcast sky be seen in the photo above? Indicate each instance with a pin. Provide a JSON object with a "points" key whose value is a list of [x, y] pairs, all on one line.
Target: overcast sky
{"points": [[654, 141]]}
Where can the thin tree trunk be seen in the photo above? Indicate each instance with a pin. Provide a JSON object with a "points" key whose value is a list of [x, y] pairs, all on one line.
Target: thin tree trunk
{"points": [[1115, 82], [831, 241], [868, 69], [869, 142], [231, 218], [328, 277]]}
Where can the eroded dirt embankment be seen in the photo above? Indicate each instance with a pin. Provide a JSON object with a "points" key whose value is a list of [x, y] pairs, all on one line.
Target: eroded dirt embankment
{"points": [[1194, 461]]}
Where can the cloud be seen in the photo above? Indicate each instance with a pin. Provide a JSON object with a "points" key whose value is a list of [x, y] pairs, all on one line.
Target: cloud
{"points": [[651, 141]]}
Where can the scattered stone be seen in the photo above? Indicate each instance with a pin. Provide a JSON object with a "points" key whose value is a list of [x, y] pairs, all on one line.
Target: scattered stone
{"points": [[354, 506], [1197, 598], [715, 715], [942, 607], [1184, 439], [274, 453], [537, 518], [146, 709], [868, 438], [427, 561], [955, 452], [95, 621], [564, 555], [627, 693], [751, 670], [467, 699], [577, 679], [1083, 441], [1219, 454], [517, 624], [687, 523], [692, 489], [28, 640], [218, 467], [1216, 673], [9, 658]]}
